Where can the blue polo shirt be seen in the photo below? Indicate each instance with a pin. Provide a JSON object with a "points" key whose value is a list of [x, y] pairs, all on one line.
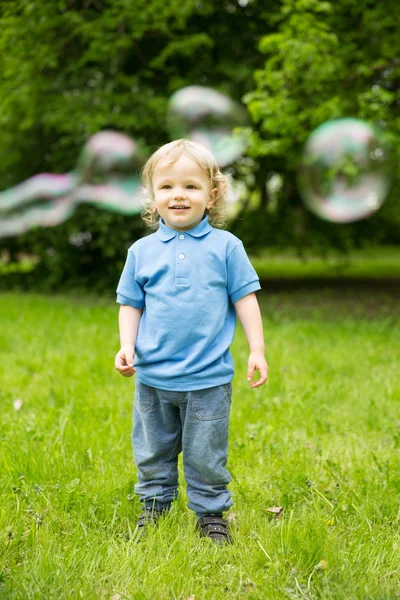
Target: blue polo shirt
{"points": [[187, 283]]}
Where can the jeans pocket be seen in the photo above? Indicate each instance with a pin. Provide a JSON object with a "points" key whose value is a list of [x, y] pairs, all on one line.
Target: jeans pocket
{"points": [[144, 397], [212, 403]]}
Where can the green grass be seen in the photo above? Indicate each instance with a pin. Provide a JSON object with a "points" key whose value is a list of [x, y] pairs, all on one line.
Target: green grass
{"points": [[371, 263], [378, 262], [26, 265], [321, 440]]}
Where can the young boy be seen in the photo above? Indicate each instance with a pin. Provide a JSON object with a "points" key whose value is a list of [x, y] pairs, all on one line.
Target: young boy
{"points": [[180, 291]]}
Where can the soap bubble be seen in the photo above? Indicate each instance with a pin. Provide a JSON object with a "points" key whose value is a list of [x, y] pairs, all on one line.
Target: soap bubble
{"points": [[110, 156], [106, 175], [345, 173], [208, 117]]}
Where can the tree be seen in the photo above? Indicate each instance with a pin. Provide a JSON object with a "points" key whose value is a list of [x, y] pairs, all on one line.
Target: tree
{"points": [[70, 69], [326, 60]]}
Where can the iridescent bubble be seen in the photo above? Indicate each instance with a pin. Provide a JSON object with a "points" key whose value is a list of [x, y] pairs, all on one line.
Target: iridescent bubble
{"points": [[345, 173], [208, 117], [110, 156], [106, 176]]}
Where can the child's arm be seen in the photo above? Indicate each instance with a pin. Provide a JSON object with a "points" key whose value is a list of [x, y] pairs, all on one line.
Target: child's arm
{"points": [[249, 314], [129, 318]]}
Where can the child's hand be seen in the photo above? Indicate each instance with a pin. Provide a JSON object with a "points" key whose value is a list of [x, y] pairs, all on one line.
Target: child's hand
{"points": [[257, 362], [124, 361]]}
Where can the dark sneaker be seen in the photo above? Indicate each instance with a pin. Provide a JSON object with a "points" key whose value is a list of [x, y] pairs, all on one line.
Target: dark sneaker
{"points": [[148, 516], [214, 527]]}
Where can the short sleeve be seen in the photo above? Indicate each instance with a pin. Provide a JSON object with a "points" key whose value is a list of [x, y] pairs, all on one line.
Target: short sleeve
{"points": [[242, 277], [129, 290]]}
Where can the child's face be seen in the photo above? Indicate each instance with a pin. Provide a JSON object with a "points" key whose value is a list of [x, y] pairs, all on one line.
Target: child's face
{"points": [[182, 183]]}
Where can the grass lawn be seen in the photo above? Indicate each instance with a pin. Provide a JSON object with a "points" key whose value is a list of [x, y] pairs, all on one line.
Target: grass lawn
{"points": [[379, 262], [375, 262], [321, 440]]}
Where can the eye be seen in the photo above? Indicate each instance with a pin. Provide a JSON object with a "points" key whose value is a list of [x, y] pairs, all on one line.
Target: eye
{"points": [[190, 187], [166, 187]]}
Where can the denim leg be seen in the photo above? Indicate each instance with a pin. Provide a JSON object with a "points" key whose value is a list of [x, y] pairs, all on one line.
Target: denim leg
{"points": [[156, 441], [205, 422]]}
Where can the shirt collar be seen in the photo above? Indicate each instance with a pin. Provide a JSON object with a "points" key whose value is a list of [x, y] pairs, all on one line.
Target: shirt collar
{"points": [[166, 233]]}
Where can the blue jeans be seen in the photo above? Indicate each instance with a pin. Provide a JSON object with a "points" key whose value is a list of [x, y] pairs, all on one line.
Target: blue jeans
{"points": [[197, 422]]}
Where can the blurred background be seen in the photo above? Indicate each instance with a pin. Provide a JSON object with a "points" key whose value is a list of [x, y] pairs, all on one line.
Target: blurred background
{"points": [[72, 69], [300, 101]]}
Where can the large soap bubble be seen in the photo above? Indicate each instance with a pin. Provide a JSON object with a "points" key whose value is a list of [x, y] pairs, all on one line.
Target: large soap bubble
{"points": [[209, 118], [345, 174], [110, 156], [106, 175]]}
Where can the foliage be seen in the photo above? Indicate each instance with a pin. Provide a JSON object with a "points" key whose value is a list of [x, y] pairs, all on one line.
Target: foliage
{"points": [[109, 65], [327, 60], [70, 69]]}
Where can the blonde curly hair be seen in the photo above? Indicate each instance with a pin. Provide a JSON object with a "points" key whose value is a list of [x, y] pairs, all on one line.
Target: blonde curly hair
{"points": [[169, 153]]}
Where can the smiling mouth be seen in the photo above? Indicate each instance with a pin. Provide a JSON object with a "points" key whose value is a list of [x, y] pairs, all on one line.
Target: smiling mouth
{"points": [[179, 208]]}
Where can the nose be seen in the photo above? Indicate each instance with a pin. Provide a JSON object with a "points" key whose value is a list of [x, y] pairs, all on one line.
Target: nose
{"points": [[179, 193]]}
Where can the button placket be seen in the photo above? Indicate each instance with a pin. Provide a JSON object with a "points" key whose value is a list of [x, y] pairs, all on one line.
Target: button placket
{"points": [[182, 267]]}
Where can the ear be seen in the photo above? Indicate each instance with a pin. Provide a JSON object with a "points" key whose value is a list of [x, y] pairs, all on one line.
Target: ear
{"points": [[213, 197]]}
